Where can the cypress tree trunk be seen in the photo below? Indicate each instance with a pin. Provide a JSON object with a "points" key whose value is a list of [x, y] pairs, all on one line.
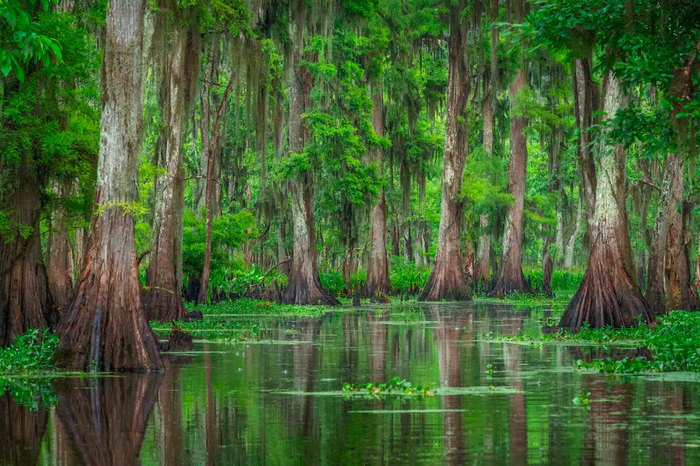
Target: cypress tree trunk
{"points": [[303, 284], [378, 286], [447, 280], [60, 268], [585, 103], [510, 274], [80, 248], [483, 249], [608, 294], [162, 299], [569, 255], [25, 301], [547, 269], [348, 233], [680, 293], [105, 327], [673, 175]]}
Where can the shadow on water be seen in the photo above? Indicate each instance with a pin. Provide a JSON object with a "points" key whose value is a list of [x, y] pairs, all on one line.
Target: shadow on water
{"points": [[279, 401]]}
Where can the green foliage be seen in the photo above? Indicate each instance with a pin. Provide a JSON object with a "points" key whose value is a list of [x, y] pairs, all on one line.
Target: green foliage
{"points": [[562, 280], [230, 321], [245, 306], [49, 125], [229, 232], [485, 185], [674, 344], [241, 281], [222, 331], [25, 41], [30, 354], [29, 392], [583, 399], [598, 336], [333, 282], [395, 388], [407, 277], [25, 365]]}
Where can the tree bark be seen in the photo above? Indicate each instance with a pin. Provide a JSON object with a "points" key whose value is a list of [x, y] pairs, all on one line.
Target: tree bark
{"points": [[696, 282], [303, 284], [162, 298], [60, 268], [378, 286], [569, 255], [668, 202], [348, 233], [680, 293], [25, 301], [483, 249], [608, 294], [80, 248], [547, 269], [510, 274], [105, 327], [585, 103], [447, 280]]}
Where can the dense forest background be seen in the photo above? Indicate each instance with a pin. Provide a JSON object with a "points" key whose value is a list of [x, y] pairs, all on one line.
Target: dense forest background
{"points": [[306, 150]]}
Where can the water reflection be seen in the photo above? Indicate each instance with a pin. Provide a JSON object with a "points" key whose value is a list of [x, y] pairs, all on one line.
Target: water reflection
{"points": [[21, 431], [278, 402], [105, 419], [449, 334], [607, 432]]}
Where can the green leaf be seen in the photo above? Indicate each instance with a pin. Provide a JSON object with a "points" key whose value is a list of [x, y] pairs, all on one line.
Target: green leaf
{"points": [[6, 66]]}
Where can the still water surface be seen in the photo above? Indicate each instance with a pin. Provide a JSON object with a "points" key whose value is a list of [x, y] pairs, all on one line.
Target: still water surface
{"points": [[279, 401]]}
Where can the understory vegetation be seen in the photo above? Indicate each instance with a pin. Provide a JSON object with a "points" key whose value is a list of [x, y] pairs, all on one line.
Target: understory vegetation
{"points": [[671, 344], [159, 153]]}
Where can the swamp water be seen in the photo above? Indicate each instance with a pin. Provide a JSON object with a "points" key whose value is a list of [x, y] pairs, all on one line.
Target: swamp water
{"points": [[279, 401]]}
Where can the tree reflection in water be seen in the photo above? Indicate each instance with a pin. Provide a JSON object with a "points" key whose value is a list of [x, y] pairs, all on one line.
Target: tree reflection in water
{"points": [[105, 418], [241, 404], [449, 334], [22, 430]]}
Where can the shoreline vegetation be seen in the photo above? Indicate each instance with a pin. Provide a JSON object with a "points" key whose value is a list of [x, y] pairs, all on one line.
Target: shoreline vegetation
{"points": [[671, 344]]}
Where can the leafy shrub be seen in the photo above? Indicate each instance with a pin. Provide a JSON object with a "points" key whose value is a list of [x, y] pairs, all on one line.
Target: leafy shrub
{"points": [[406, 277], [676, 342], [333, 283], [562, 280], [228, 233], [30, 353], [674, 345], [241, 281]]}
